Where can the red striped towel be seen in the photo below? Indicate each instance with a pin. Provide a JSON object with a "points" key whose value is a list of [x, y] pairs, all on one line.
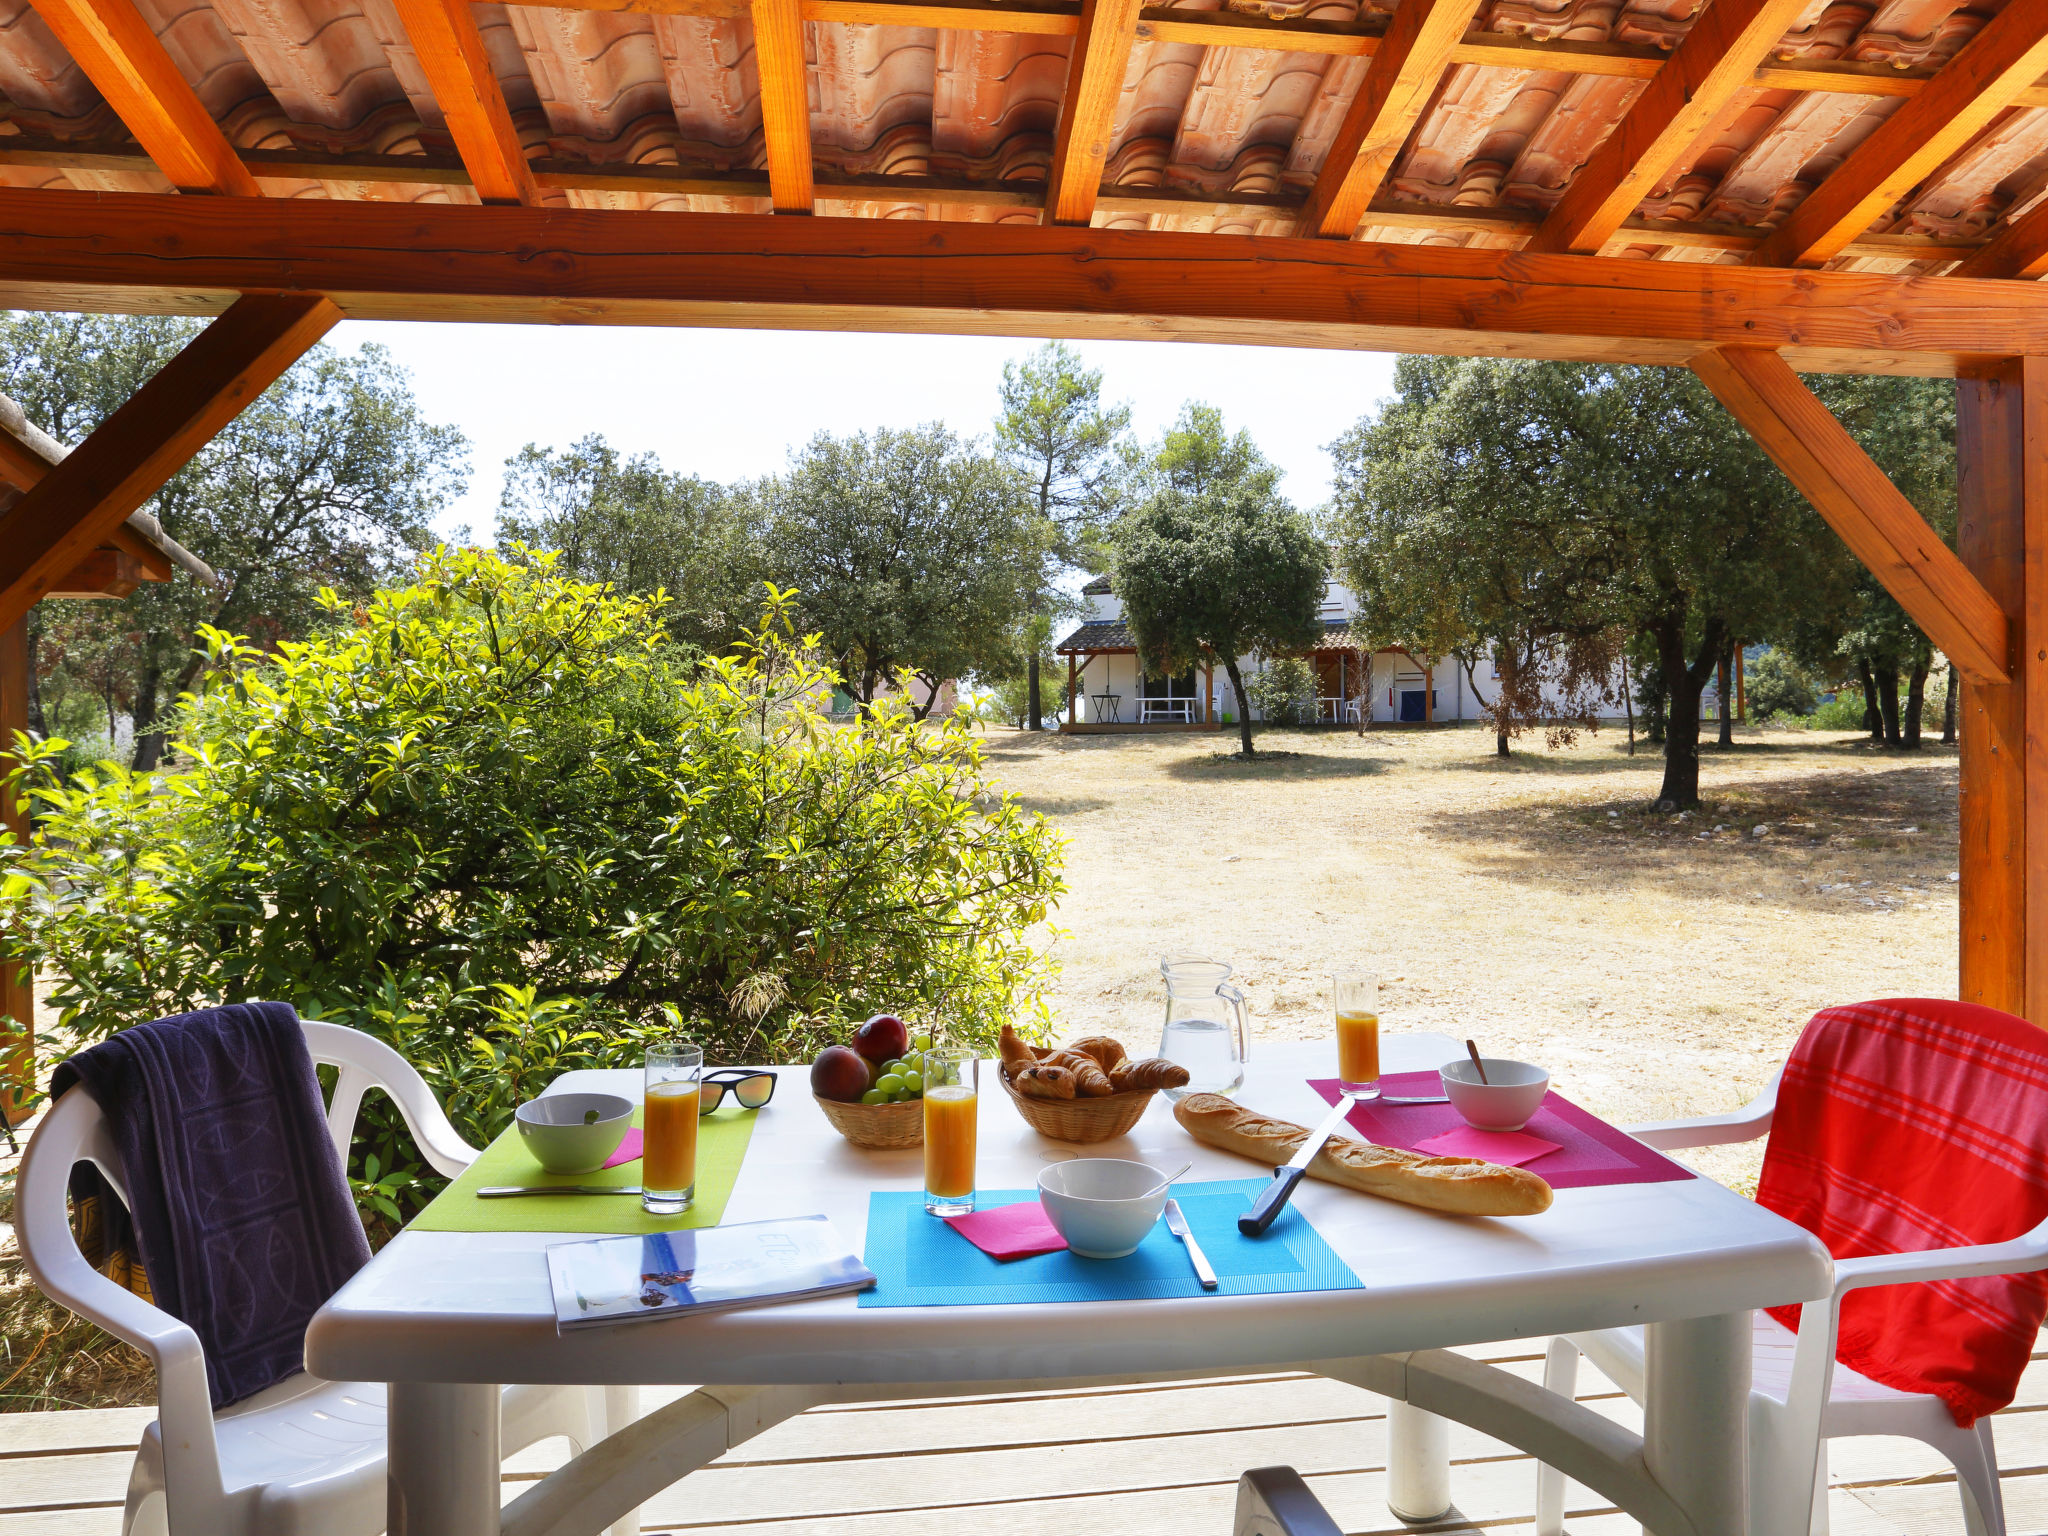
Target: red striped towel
{"points": [[1911, 1124]]}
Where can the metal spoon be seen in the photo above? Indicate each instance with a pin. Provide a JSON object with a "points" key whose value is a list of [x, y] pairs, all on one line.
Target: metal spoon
{"points": [[1183, 1168]]}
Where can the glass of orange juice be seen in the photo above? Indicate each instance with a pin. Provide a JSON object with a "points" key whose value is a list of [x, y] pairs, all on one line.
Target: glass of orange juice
{"points": [[1357, 998], [668, 1156], [951, 1077]]}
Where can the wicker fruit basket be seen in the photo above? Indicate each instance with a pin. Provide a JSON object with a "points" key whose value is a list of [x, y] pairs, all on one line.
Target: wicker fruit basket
{"points": [[878, 1127], [1080, 1120]]}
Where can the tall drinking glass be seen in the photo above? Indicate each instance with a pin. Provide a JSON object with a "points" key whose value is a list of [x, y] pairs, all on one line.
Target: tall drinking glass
{"points": [[951, 1078], [1357, 998], [668, 1156]]}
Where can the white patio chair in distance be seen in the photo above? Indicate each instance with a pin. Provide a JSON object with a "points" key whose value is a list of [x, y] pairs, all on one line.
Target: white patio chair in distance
{"points": [[1800, 1395], [303, 1457]]}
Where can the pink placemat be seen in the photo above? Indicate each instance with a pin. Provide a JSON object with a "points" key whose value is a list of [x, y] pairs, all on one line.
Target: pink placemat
{"points": [[1590, 1151], [1511, 1149], [628, 1149]]}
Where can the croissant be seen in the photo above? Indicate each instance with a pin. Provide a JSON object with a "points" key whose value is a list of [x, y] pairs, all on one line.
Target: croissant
{"points": [[1152, 1072], [1044, 1081], [1107, 1052], [1090, 1081], [1016, 1054]]}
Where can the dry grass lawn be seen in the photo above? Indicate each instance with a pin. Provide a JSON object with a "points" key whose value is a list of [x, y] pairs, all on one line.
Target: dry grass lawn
{"points": [[1660, 966]]}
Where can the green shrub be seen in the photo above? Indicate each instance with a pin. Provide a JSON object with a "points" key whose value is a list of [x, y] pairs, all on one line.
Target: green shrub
{"points": [[498, 819], [1284, 691], [1777, 685], [1844, 712], [1009, 701]]}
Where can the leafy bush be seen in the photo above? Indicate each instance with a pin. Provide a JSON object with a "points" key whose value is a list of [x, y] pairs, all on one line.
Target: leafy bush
{"points": [[1009, 702], [1844, 712], [498, 819], [1777, 685], [1284, 691]]}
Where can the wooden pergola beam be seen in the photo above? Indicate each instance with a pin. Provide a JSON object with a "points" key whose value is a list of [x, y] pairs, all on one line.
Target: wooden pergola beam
{"points": [[451, 54], [1095, 79], [785, 103], [1880, 526], [80, 502], [1985, 77], [122, 57], [171, 255], [1398, 84], [1716, 59]]}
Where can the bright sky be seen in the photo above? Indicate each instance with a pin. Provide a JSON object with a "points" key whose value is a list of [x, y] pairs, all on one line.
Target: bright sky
{"points": [[729, 405]]}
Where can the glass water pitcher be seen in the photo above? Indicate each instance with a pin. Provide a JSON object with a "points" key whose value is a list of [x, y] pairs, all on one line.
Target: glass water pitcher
{"points": [[1205, 1024]]}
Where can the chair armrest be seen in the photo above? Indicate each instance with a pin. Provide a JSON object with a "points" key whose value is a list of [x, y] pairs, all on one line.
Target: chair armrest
{"points": [[367, 1062], [1746, 1124], [2019, 1256]]}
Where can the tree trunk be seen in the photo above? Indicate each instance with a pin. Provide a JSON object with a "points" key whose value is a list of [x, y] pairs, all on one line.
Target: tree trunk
{"points": [[1873, 722], [1032, 721], [149, 740], [1628, 703], [1683, 684], [1916, 699], [1948, 708], [1244, 708], [36, 722], [1724, 683], [1888, 699]]}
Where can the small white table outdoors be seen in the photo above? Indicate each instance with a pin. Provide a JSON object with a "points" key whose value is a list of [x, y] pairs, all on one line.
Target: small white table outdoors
{"points": [[444, 1317], [1182, 710]]}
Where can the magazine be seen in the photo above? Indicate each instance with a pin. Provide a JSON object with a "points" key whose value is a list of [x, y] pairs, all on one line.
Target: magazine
{"points": [[708, 1269]]}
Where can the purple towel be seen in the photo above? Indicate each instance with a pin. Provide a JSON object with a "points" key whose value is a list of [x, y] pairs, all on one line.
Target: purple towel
{"points": [[244, 1219]]}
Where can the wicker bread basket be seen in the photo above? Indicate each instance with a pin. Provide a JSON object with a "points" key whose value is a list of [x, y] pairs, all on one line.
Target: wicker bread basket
{"points": [[878, 1127], [1080, 1120]]}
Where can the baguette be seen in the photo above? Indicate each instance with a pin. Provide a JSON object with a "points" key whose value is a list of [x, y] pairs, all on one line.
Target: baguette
{"points": [[1462, 1185]]}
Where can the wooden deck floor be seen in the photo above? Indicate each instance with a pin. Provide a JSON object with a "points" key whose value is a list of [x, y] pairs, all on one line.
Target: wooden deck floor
{"points": [[1132, 1461]]}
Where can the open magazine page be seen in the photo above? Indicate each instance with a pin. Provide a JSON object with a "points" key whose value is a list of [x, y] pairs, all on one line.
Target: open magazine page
{"points": [[709, 1269]]}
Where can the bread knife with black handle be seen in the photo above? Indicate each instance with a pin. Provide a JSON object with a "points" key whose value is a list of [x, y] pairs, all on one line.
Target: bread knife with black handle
{"points": [[1276, 1194]]}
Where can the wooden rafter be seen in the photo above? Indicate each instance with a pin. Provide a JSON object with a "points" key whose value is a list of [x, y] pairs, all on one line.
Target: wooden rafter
{"points": [[1716, 59], [1984, 78], [122, 57], [79, 503], [785, 103], [2019, 249], [1095, 79], [451, 53], [1398, 83], [173, 255], [1873, 517]]}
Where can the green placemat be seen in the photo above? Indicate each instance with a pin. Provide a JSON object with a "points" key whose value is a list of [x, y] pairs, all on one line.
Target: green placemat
{"points": [[722, 1138]]}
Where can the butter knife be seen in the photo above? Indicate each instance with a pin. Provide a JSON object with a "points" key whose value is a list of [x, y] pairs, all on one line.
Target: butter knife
{"points": [[1177, 1224], [502, 1191]]}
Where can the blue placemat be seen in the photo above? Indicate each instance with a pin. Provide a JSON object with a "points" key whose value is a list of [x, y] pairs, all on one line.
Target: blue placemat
{"points": [[919, 1261]]}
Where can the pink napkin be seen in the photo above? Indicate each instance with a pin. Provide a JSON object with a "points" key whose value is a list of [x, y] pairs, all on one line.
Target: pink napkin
{"points": [[1010, 1231], [1508, 1148], [628, 1149]]}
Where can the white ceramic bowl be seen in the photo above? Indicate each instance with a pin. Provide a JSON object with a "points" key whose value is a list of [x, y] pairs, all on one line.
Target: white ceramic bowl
{"points": [[1512, 1093], [1099, 1206], [562, 1135]]}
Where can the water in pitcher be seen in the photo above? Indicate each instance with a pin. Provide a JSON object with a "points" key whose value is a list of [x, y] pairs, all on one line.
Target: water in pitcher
{"points": [[1208, 1049]]}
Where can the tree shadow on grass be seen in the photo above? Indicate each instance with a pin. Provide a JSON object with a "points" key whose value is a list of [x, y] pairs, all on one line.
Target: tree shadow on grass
{"points": [[1063, 805], [1281, 763], [1824, 829], [1591, 755]]}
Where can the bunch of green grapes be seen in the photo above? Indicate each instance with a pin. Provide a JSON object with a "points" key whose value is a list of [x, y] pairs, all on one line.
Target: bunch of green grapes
{"points": [[900, 1079]]}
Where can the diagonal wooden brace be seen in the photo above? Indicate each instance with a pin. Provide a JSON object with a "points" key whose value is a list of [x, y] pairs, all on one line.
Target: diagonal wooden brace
{"points": [[1876, 521], [80, 502]]}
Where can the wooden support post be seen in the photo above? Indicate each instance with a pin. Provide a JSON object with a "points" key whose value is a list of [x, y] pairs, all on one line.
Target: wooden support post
{"points": [[81, 501], [17, 982], [1884, 530], [2002, 536], [1429, 695], [1209, 693], [1073, 685]]}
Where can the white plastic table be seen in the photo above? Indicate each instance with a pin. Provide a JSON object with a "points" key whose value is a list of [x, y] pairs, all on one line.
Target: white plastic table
{"points": [[444, 1317]]}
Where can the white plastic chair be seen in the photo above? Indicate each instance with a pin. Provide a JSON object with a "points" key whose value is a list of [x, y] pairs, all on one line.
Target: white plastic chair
{"points": [[304, 1457], [1800, 1395]]}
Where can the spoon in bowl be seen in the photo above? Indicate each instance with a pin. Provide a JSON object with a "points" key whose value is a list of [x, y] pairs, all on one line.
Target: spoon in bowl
{"points": [[1472, 1050], [1183, 1168]]}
